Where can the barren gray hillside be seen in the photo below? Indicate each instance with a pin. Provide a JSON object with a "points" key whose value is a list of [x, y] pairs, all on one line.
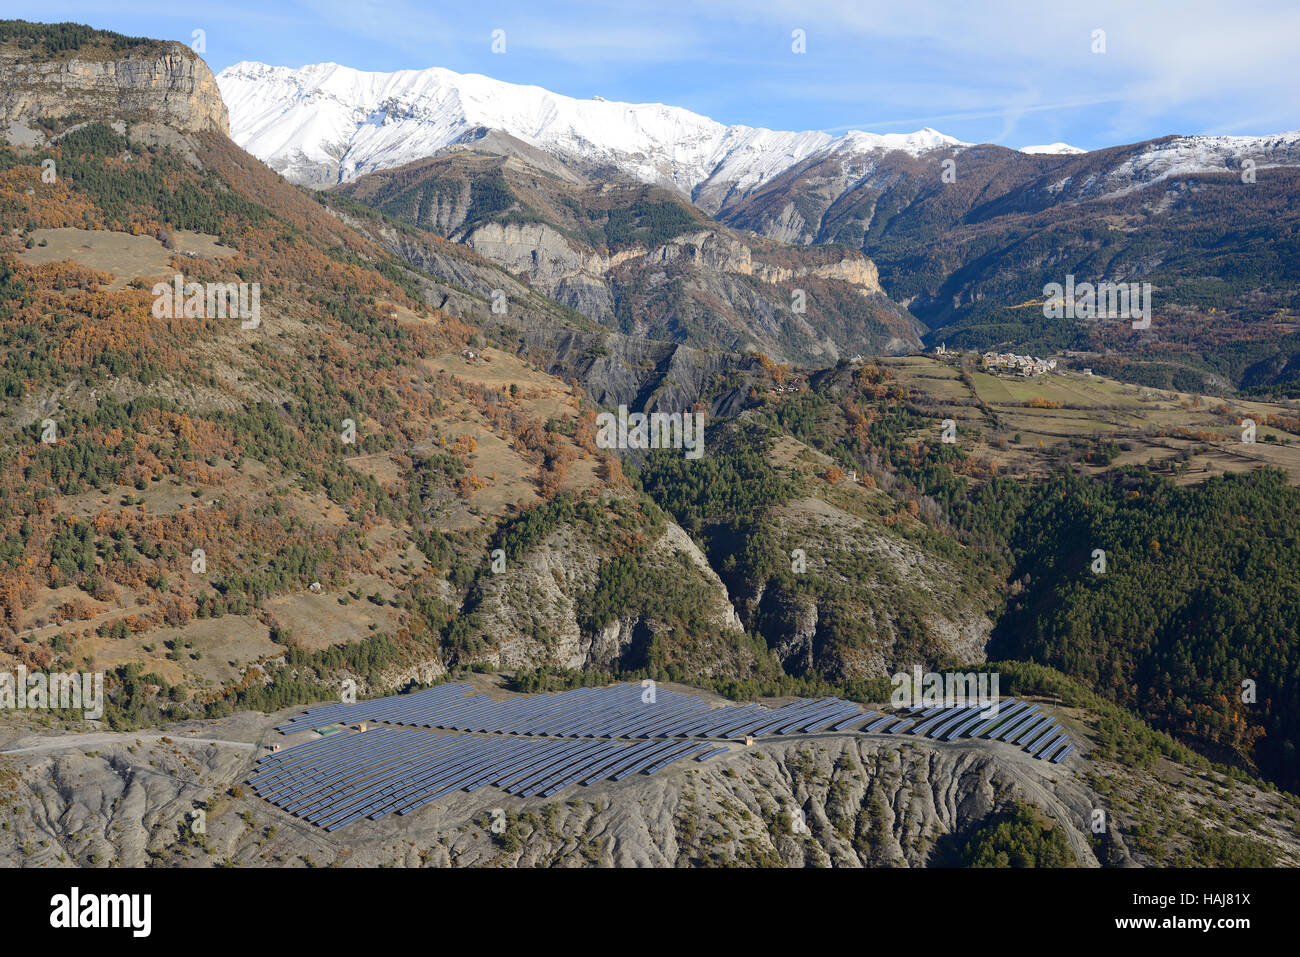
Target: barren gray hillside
{"points": [[130, 799]]}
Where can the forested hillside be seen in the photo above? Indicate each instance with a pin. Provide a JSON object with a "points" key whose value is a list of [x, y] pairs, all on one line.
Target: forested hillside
{"points": [[1199, 593], [1198, 597]]}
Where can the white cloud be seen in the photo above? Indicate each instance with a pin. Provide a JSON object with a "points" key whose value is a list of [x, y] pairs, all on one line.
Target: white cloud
{"points": [[1160, 58]]}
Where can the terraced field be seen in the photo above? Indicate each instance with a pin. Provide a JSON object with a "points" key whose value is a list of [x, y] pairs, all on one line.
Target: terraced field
{"points": [[1021, 423]]}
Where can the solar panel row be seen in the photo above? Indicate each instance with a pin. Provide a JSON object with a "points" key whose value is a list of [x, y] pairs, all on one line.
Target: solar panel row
{"points": [[853, 719], [1015, 721]]}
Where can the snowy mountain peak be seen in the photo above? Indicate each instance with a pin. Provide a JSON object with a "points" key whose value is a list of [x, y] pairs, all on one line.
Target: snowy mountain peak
{"points": [[1052, 149], [922, 141], [327, 123]]}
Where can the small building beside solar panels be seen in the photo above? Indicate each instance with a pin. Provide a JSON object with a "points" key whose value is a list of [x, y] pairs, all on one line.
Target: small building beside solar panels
{"points": [[327, 729]]}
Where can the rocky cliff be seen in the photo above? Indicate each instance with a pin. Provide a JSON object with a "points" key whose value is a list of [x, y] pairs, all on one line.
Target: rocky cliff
{"points": [[577, 276], [158, 82]]}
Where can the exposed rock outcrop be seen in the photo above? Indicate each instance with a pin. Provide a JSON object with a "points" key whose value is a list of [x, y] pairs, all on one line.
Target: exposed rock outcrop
{"points": [[531, 612], [160, 82], [888, 601], [577, 277]]}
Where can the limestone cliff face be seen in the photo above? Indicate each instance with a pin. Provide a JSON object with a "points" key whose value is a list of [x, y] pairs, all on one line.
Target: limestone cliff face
{"points": [[163, 83], [550, 260], [643, 261], [706, 287], [857, 270]]}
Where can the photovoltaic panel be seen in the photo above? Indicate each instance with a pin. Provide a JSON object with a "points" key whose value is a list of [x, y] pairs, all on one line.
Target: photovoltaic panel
{"points": [[854, 719]]}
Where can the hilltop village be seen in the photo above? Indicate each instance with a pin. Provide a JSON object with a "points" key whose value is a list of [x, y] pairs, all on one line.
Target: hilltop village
{"points": [[1005, 362]]}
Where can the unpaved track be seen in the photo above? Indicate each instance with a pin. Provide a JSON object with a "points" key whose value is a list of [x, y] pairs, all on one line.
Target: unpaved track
{"points": [[62, 742]]}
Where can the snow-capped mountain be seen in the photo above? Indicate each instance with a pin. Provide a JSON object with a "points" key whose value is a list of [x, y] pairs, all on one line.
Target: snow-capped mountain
{"points": [[1052, 149], [1184, 155], [327, 123]]}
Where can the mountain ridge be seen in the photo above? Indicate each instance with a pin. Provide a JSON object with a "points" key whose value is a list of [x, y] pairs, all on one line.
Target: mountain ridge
{"points": [[652, 142]]}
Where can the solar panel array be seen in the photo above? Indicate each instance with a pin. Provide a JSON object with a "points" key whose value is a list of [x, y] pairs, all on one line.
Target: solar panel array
{"points": [[1016, 722], [429, 744], [617, 711], [389, 769]]}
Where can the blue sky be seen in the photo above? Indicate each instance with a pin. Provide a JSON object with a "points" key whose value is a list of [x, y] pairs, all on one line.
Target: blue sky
{"points": [[1001, 71]]}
